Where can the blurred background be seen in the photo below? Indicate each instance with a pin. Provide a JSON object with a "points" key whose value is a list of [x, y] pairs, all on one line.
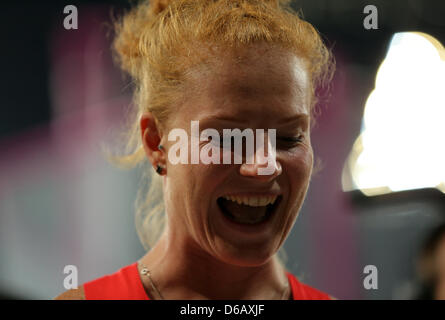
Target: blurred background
{"points": [[379, 139]]}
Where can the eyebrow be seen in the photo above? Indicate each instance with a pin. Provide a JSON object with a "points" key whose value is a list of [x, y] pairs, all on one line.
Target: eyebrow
{"points": [[298, 118], [223, 118]]}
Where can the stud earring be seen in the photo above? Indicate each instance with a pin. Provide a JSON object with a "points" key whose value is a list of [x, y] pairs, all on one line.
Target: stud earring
{"points": [[160, 147], [159, 169]]}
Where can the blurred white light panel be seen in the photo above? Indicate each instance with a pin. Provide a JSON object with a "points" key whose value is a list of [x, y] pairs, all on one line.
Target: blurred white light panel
{"points": [[402, 141]]}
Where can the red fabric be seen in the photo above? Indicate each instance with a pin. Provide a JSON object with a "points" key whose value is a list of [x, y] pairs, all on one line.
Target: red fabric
{"points": [[125, 284], [301, 291]]}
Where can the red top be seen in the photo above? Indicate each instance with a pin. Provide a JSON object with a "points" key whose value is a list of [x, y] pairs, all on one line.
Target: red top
{"points": [[126, 284]]}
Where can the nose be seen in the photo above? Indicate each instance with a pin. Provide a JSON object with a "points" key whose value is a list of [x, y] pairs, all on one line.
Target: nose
{"points": [[264, 166]]}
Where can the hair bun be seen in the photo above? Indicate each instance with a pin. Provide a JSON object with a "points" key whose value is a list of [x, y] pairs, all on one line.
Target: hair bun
{"points": [[157, 6]]}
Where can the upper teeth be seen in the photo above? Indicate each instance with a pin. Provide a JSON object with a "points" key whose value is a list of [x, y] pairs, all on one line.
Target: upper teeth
{"points": [[252, 200]]}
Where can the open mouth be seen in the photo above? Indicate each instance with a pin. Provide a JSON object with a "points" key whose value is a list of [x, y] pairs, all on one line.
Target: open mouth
{"points": [[248, 210]]}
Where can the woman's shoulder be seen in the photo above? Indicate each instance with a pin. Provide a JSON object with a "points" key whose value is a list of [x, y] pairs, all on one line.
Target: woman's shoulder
{"points": [[73, 294], [124, 284]]}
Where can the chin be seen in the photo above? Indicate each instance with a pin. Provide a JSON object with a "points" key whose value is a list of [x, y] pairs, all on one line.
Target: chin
{"points": [[245, 256]]}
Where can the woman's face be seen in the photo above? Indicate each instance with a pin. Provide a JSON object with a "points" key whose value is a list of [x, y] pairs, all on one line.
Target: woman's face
{"points": [[229, 211]]}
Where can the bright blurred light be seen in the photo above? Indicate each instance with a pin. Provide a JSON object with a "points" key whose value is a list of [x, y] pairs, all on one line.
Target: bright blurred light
{"points": [[402, 143]]}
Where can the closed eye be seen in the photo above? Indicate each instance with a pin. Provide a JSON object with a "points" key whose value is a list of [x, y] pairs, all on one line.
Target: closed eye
{"points": [[224, 141], [230, 141], [290, 141], [287, 142]]}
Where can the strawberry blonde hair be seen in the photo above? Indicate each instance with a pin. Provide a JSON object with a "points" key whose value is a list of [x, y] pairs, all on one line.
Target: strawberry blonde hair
{"points": [[158, 42]]}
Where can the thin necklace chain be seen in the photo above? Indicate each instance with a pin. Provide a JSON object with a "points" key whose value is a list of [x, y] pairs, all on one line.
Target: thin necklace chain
{"points": [[147, 273]]}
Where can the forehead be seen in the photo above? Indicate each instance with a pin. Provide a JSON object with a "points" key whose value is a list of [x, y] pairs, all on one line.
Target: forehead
{"points": [[259, 79]]}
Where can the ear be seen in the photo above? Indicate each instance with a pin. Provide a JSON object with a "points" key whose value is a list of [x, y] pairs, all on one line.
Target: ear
{"points": [[151, 139]]}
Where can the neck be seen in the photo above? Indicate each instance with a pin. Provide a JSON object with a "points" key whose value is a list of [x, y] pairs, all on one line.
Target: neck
{"points": [[183, 272]]}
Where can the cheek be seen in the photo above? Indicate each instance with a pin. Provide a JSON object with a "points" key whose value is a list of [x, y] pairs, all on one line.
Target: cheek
{"points": [[298, 170], [181, 186], [299, 165], [191, 187]]}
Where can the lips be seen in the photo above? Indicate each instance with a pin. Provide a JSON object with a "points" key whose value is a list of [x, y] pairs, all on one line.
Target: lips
{"points": [[248, 210]]}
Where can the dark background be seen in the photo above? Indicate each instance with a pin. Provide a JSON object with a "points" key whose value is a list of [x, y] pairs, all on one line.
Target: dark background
{"points": [[25, 29]]}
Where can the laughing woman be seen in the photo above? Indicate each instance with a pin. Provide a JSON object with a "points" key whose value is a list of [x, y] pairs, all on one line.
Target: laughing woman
{"points": [[227, 64]]}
